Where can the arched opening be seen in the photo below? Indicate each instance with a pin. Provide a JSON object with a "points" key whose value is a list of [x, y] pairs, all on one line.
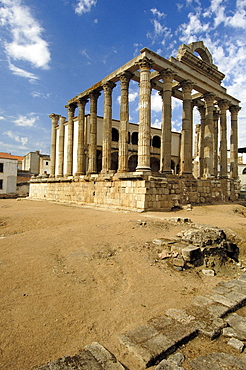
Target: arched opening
{"points": [[132, 163], [99, 161], [114, 161], [173, 166], [244, 171], [129, 137], [154, 164], [115, 135], [156, 142], [135, 138]]}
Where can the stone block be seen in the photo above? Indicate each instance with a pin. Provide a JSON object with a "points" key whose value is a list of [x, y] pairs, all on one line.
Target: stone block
{"points": [[236, 343], [191, 253], [238, 323], [161, 322], [159, 345], [202, 301], [218, 310]]}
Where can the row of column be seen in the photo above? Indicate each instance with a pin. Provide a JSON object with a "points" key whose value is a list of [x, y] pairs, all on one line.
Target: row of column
{"points": [[207, 142], [214, 120]]}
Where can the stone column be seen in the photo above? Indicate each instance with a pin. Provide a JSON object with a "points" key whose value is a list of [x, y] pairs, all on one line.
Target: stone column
{"points": [[81, 137], [186, 134], [216, 119], [61, 147], [209, 136], [54, 122], [166, 128], [223, 106], [202, 111], [124, 122], [144, 116], [71, 109], [196, 167], [234, 109], [107, 127], [92, 165]]}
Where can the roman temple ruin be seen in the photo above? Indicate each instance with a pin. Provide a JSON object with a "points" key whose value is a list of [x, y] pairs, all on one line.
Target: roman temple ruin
{"points": [[106, 162]]}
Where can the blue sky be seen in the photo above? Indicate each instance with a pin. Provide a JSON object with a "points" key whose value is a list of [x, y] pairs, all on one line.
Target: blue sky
{"points": [[50, 51]]}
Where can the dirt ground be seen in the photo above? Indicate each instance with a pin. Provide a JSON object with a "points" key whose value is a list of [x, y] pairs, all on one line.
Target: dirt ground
{"points": [[72, 275]]}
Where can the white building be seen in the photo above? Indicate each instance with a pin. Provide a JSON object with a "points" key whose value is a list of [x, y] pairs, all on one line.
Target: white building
{"points": [[8, 173], [242, 166], [36, 163]]}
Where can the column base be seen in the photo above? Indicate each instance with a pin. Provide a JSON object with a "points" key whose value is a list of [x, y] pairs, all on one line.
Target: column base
{"points": [[143, 169]]}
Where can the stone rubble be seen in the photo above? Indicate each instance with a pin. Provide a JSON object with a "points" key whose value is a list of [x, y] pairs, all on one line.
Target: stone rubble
{"points": [[200, 245]]}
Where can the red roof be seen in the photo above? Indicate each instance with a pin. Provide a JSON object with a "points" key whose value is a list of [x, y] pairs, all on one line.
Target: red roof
{"points": [[10, 156]]}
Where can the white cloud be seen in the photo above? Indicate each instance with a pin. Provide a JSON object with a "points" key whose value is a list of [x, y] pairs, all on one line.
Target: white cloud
{"points": [[84, 6], [156, 123], [27, 43], [2, 118], [157, 13], [17, 138], [133, 95], [22, 73], [25, 121], [37, 94], [156, 102]]}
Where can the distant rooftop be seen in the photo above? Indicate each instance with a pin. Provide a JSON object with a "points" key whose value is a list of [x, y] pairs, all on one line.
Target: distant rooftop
{"points": [[10, 156]]}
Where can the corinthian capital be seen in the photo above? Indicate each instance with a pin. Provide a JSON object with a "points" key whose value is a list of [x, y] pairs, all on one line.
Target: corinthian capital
{"points": [[54, 118], [108, 86], [167, 75], [145, 63]]}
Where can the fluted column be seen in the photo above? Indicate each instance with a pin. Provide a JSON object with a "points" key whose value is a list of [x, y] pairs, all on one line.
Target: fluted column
{"points": [[166, 128], [186, 134], [124, 122], [216, 119], [234, 109], [61, 147], [223, 106], [196, 167], [71, 109], [209, 136], [144, 116], [107, 127], [81, 137], [54, 122], [92, 165], [202, 112]]}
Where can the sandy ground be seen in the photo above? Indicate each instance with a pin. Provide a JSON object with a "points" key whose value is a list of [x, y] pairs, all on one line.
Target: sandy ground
{"points": [[73, 275]]}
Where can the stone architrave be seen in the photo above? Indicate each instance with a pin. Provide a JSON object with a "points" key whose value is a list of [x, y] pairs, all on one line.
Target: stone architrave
{"points": [[234, 109], [209, 136], [54, 121], [124, 121], [107, 127], [61, 147], [71, 109], [216, 119], [144, 116], [202, 112], [81, 137], [223, 106], [166, 129], [186, 134], [92, 165]]}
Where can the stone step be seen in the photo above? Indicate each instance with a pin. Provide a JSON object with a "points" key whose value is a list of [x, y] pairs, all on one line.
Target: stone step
{"points": [[93, 357], [158, 339]]}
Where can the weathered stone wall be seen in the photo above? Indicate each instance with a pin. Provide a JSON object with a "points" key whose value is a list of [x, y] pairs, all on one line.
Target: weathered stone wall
{"points": [[154, 193]]}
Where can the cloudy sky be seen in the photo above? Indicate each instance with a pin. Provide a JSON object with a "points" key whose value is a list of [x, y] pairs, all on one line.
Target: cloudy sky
{"points": [[50, 51]]}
